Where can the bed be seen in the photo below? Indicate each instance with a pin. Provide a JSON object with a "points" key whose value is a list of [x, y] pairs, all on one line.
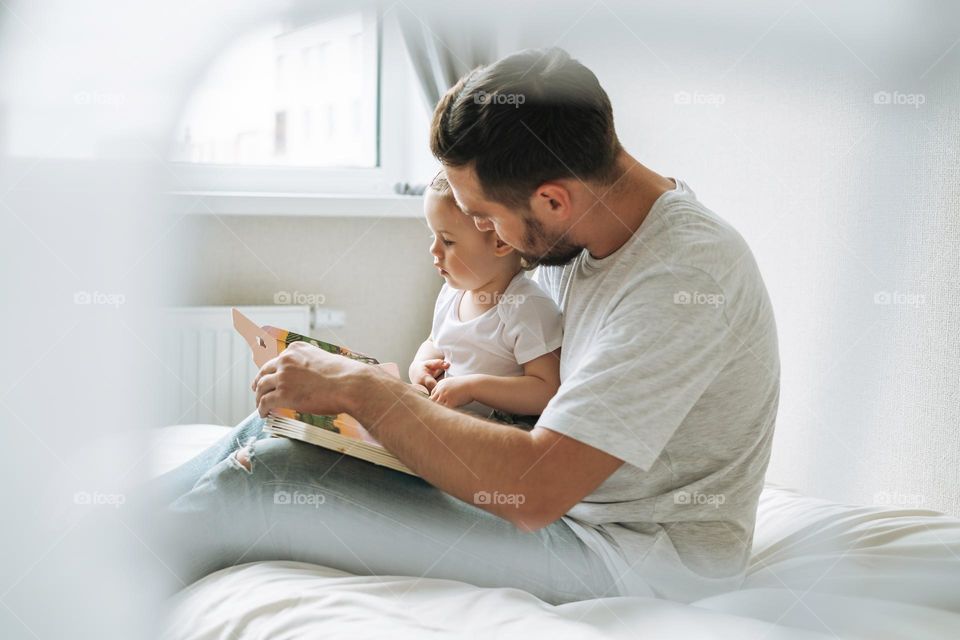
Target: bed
{"points": [[818, 570]]}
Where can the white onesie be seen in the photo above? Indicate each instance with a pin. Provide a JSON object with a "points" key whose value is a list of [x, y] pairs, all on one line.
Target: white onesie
{"points": [[524, 324]]}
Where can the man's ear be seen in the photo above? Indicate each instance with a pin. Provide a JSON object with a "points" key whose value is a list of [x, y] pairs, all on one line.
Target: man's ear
{"points": [[552, 199], [500, 247]]}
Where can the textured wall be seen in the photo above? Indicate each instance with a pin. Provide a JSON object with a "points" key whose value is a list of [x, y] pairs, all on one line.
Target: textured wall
{"points": [[378, 271]]}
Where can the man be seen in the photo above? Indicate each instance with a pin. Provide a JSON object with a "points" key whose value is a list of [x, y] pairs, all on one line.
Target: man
{"points": [[642, 475]]}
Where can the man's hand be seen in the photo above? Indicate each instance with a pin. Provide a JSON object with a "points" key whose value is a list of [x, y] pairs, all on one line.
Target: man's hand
{"points": [[308, 379], [453, 392], [420, 388], [426, 372]]}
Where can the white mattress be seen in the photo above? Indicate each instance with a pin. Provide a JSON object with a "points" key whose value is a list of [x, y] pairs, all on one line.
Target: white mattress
{"points": [[818, 570]]}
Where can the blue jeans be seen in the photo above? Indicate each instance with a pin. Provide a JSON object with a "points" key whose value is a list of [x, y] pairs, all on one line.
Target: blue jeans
{"points": [[305, 503]]}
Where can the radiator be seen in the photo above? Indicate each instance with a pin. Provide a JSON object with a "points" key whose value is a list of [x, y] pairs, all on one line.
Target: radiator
{"points": [[208, 366]]}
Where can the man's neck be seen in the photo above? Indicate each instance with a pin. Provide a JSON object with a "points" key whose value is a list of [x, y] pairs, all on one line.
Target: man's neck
{"points": [[618, 210]]}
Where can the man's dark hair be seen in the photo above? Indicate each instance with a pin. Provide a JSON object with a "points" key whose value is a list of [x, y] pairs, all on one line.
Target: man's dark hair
{"points": [[534, 116]]}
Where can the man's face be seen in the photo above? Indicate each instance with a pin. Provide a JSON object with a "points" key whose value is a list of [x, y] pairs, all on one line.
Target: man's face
{"points": [[535, 236]]}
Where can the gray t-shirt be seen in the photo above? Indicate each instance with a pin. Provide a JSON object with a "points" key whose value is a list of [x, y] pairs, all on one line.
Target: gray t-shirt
{"points": [[669, 362]]}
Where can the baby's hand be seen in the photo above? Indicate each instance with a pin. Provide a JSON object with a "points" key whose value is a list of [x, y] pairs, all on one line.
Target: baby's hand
{"points": [[453, 392], [426, 372]]}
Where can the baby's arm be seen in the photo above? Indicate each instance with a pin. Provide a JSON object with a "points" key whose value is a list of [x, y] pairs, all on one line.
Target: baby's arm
{"points": [[427, 365], [523, 395]]}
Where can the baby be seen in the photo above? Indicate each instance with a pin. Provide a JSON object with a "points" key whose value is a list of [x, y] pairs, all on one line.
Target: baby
{"points": [[494, 346]]}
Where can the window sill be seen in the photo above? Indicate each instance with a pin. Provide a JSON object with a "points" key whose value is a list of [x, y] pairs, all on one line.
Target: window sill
{"points": [[299, 204]]}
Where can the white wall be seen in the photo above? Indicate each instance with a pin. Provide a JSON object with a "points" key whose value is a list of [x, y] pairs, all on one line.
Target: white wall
{"points": [[379, 271]]}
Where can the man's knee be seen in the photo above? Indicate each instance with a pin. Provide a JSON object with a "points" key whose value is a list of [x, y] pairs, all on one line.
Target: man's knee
{"points": [[270, 453], [243, 457], [275, 458]]}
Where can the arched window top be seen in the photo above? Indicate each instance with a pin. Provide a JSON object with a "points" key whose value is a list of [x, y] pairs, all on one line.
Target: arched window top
{"points": [[289, 95]]}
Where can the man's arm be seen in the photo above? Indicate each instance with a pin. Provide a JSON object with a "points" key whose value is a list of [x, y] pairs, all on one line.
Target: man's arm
{"points": [[539, 474]]}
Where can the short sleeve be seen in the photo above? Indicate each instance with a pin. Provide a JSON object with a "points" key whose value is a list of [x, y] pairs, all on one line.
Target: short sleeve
{"points": [[659, 349], [533, 326]]}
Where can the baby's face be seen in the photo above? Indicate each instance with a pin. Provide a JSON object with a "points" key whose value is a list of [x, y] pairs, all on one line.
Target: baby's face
{"points": [[464, 255]]}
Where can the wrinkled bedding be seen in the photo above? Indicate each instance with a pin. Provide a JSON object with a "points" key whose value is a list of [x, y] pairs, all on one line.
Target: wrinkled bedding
{"points": [[818, 570]]}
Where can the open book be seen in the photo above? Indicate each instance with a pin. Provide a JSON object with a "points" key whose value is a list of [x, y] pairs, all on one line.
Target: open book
{"points": [[339, 433]]}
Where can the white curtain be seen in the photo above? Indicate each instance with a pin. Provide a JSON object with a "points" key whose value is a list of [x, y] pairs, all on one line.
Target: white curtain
{"points": [[442, 50]]}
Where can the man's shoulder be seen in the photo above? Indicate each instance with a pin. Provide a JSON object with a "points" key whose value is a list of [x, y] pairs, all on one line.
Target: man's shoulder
{"points": [[691, 235]]}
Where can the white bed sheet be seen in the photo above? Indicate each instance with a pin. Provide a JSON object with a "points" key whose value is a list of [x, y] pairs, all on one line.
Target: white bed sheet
{"points": [[818, 570]]}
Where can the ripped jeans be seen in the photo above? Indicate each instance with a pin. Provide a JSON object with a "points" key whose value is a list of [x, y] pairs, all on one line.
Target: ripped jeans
{"points": [[304, 503]]}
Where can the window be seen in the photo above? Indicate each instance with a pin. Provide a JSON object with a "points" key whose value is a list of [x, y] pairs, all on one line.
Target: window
{"points": [[289, 95], [318, 117]]}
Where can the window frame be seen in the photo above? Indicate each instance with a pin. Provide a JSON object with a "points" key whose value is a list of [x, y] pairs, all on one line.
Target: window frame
{"points": [[255, 183]]}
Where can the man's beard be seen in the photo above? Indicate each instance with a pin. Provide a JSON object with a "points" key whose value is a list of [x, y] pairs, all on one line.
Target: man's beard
{"points": [[557, 251]]}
